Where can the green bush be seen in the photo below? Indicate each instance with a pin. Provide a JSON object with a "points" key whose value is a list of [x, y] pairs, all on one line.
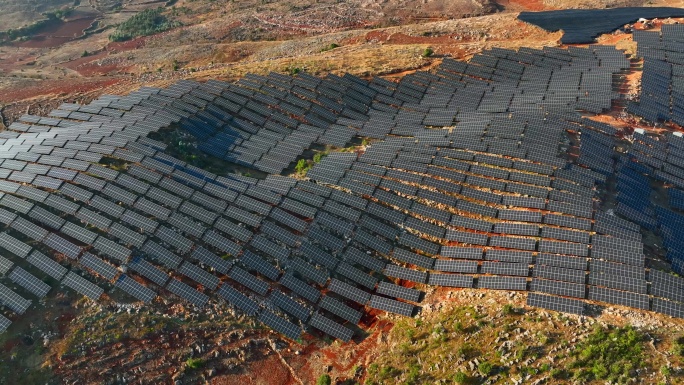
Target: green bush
{"points": [[324, 379], [302, 166], [147, 22], [194, 363], [485, 368], [608, 355], [507, 309], [413, 374], [678, 347], [428, 52], [318, 156], [329, 47], [461, 378]]}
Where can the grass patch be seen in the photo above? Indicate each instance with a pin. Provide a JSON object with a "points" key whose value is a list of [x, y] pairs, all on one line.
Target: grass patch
{"points": [[147, 22], [329, 47], [611, 355], [194, 363]]}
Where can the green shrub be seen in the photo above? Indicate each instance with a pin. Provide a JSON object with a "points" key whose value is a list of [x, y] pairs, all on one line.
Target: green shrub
{"points": [[413, 374], [302, 166], [608, 355], [461, 378], [507, 309], [147, 22], [318, 156], [329, 47], [324, 379], [678, 347], [428, 52], [485, 368], [387, 372], [665, 370], [194, 363]]}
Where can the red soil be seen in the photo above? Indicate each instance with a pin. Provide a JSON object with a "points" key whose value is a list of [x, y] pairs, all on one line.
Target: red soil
{"points": [[57, 33], [269, 370], [55, 87]]}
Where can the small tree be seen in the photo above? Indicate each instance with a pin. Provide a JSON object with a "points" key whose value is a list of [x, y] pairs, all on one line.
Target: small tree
{"points": [[324, 379], [301, 166], [85, 53], [194, 363], [460, 378], [485, 368], [428, 52]]}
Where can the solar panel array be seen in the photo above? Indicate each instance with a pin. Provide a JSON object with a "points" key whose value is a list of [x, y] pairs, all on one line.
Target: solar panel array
{"points": [[469, 185], [662, 90]]}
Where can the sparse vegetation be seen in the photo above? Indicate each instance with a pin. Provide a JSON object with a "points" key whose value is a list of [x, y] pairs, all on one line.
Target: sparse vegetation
{"points": [[329, 47], [194, 363], [302, 167], [324, 379], [485, 368], [147, 22], [608, 355], [461, 378]]}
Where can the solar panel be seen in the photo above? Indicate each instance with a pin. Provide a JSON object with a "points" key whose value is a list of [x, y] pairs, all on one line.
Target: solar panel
{"points": [[255, 262], [396, 291], [330, 327], [149, 271], [5, 265], [248, 280], [62, 246], [559, 274], [13, 300], [112, 249], [238, 299], [188, 293], [348, 291], [199, 275], [340, 309], [404, 273], [99, 266], [300, 287], [4, 323], [29, 282], [46, 265], [502, 283], [673, 309], [280, 325], [391, 306], [306, 270], [82, 286], [566, 289], [14, 245], [135, 289], [564, 305], [502, 268], [290, 306], [553, 247], [468, 267], [639, 301]]}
